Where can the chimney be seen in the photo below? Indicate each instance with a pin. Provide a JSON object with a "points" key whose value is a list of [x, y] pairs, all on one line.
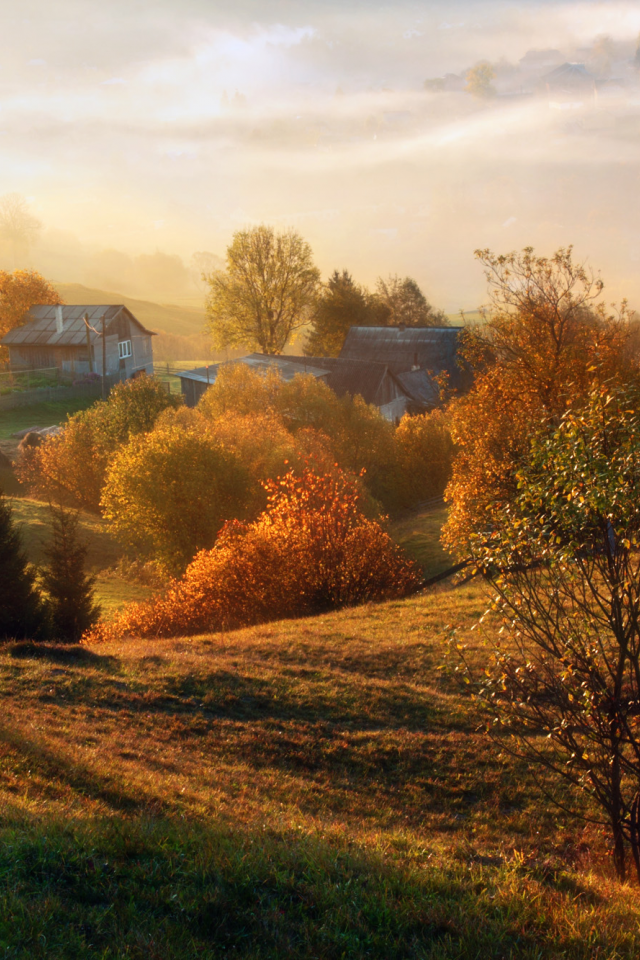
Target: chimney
{"points": [[59, 322]]}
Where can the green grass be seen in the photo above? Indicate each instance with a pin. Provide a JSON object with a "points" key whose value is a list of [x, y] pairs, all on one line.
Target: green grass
{"points": [[306, 789], [39, 415], [104, 552], [419, 535]]}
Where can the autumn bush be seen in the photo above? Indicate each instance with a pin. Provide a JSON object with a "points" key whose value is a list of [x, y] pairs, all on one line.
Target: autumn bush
{"points": [[424, 451], [168, 492], [548, 338], [71, 467], [311, 550]]}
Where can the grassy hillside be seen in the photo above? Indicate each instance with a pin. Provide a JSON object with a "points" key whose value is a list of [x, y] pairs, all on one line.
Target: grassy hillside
{"points": [[315, 788], [103, 555], [182, 320]]}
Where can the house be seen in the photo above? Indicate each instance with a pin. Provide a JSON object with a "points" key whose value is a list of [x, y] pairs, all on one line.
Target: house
{"points": [[393, 368], [568, 84], [57, 336], [377, 384], [430, 351]]}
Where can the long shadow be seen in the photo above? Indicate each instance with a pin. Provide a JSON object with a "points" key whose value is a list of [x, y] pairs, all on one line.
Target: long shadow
{"points": [[71, 654], [165, 889]]}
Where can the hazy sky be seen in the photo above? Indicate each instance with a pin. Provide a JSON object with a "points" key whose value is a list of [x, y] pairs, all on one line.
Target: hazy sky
{"points": [[120, 122]]}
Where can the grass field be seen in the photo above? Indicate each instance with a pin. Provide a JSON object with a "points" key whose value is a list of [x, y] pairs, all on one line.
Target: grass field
{"points": [[308, 789], [39, 415], [419, 535]]}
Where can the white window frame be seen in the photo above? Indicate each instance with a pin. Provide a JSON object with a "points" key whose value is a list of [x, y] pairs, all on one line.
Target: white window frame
{"points": [[125, 349]]}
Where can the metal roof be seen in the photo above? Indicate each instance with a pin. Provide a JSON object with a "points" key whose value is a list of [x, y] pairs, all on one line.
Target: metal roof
{"points": [[255, 361], [363, 377], [40, 327], [422, 388], [434, 349]]}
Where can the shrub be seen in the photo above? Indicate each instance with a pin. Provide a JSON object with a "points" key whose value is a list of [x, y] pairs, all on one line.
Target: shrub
{"points": [[423, 454], [311, 550], [71, 467], [167, 493]]}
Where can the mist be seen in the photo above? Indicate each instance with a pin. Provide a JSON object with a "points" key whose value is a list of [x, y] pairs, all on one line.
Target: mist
{"points": [[145, 131]]}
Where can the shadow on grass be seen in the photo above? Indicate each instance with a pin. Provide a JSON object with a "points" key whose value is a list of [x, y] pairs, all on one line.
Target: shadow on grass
{"points": [[72, 654], [158, 889]]}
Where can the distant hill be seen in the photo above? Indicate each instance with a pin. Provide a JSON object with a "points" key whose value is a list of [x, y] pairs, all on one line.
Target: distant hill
{"points": [[179, 321]]}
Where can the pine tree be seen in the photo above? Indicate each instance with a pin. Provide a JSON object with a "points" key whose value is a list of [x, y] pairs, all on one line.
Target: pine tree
{"points": [[22, 612], [71, 595]]}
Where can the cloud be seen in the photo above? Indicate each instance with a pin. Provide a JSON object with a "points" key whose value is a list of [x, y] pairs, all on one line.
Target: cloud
{"points": [[131, 138]]}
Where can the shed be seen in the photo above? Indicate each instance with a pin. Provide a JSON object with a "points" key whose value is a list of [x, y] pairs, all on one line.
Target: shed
{"points": [[56, 336]]}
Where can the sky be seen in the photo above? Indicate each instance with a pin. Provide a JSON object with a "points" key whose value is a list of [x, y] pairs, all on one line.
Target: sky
{"points": [[142, 126]]}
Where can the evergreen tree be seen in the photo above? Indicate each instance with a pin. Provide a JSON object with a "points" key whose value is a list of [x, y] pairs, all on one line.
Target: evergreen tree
{"points": [[22, 612], [342, 304], [72, 605]]}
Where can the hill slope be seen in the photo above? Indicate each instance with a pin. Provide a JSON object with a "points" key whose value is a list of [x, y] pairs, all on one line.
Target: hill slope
{"points": [[313, 788], [177, 320]]}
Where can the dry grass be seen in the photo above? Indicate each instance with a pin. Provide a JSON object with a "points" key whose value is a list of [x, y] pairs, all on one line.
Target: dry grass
{"points": [[312, 788]]}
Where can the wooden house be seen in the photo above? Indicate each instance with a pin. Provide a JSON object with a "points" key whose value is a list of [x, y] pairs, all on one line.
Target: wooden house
{"points": [[57, 336]]}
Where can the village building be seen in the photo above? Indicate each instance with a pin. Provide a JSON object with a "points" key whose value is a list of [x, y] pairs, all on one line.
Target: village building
{"points": [[57, 336], [393, 368]]}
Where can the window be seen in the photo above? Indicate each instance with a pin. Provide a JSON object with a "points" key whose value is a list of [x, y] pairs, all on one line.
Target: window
{"points": [[124, 349]]}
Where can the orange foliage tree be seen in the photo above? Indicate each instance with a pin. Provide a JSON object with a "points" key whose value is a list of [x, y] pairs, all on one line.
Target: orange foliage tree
{"points": [[311, 550], [19, 291], [546, 339], [70, 467]]}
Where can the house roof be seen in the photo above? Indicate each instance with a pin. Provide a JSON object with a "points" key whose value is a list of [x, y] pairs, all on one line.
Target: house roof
{"points": [[420, 386], [40, 328], [363, 377], [256, 361], [434, 349], [569, 74]]}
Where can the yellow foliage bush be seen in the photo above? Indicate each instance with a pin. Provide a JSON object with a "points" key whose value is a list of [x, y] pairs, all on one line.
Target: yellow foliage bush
{"points": [[168, 492], [311, 550]]}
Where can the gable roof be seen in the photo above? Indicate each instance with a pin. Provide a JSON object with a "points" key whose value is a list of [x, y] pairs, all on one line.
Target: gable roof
{"points": [[569, 75], [363, 377], [41, 329], [434, 349]]}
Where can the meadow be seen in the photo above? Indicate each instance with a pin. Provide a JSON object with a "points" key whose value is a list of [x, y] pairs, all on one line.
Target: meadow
{"points": [[311, 788]]}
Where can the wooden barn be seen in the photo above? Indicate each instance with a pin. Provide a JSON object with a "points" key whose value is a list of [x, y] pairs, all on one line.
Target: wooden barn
{"points": [[57, 336]]}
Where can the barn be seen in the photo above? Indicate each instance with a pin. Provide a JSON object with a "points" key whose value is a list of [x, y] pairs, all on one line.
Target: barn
{"points": [[194, 383], [57, 336]]}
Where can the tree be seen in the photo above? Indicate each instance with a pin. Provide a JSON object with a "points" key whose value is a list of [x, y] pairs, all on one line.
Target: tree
{"points": [[19, 291], [562, 687], [312, 549], [547, 337], [401, 302], [341, 304], [71, 466], [18, 226], [266, 292], [22, 613], [479, 80], [167, 493], [71, 597]]}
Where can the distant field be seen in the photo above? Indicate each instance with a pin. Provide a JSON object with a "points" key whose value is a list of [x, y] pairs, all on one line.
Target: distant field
{"points": [[308, 789]]}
